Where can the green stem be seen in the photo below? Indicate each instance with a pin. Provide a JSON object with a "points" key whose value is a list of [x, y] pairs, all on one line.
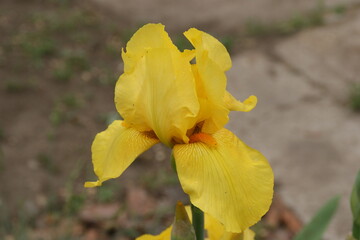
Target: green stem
{"points": [[198, 222]]}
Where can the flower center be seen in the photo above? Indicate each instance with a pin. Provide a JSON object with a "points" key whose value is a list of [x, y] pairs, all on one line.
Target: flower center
{"points": [[204, 138]]}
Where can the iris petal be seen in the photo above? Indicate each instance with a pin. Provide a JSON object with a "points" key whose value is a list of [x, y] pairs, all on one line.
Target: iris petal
{"points": [[164, 235], [230, 181], [211, 85], [160, 95], [212, 60], [204, 42], [234, 105], [147, 37], [114, 149], [215, 231]]}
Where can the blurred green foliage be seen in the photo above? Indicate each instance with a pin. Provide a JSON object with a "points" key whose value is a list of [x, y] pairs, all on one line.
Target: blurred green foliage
{"points": [[2, 134], [340, 9], [355, 207], [106, 193], [315, 229], [355, 97], [298, 22], [71, 101], [47, 163], [17, 86]]}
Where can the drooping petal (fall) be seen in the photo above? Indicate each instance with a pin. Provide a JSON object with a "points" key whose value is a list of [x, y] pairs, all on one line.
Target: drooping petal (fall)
{"points": [[114, 149], [159, 95], [228, 180]]}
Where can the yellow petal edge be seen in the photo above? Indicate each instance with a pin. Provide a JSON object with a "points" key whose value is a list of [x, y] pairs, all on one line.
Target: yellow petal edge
{"points": [[114, 149], [215, 231], [159, 92], [230, 181]]}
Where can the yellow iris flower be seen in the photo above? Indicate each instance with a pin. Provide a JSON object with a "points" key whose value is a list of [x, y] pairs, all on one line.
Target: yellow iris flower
{"points": [[163, 97], [214, 229]]}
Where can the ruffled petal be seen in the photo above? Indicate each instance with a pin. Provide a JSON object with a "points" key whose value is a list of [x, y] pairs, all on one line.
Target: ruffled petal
{"points": [[230, 181], [114, 149], [212, 60], [160, 95], [147, 37], [210, 86], [234, 105], [204, 42]]}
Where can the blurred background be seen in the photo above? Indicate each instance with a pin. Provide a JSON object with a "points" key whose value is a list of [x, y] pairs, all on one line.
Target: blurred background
{"points": [[59, 62]]}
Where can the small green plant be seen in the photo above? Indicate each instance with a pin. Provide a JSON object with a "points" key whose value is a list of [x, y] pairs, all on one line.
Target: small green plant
{"points": [[47, 162], [355, 207], [77, 60], [11, 229], [63, 73], [64, 109], [72, 61], [39, 46], [105, 194], [74, 203], [2, 134], [340, 9], [159, 180], [57, 116], [355, 97], [255, 28], [16, 87], [51, 135], [71, 101], [2, 161]]}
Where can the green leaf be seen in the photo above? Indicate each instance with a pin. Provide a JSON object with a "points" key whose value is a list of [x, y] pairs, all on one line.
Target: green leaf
{"points": [[317, 226], [355, 207], [356, 230], [355, 199]]}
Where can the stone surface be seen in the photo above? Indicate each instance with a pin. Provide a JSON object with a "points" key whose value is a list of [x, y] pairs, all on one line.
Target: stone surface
{"points": [[218, 15], [328, 56], [312, 142]]}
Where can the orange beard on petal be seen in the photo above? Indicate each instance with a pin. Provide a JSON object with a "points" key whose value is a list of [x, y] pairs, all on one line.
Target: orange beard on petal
{"points": [[204, 138]]}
